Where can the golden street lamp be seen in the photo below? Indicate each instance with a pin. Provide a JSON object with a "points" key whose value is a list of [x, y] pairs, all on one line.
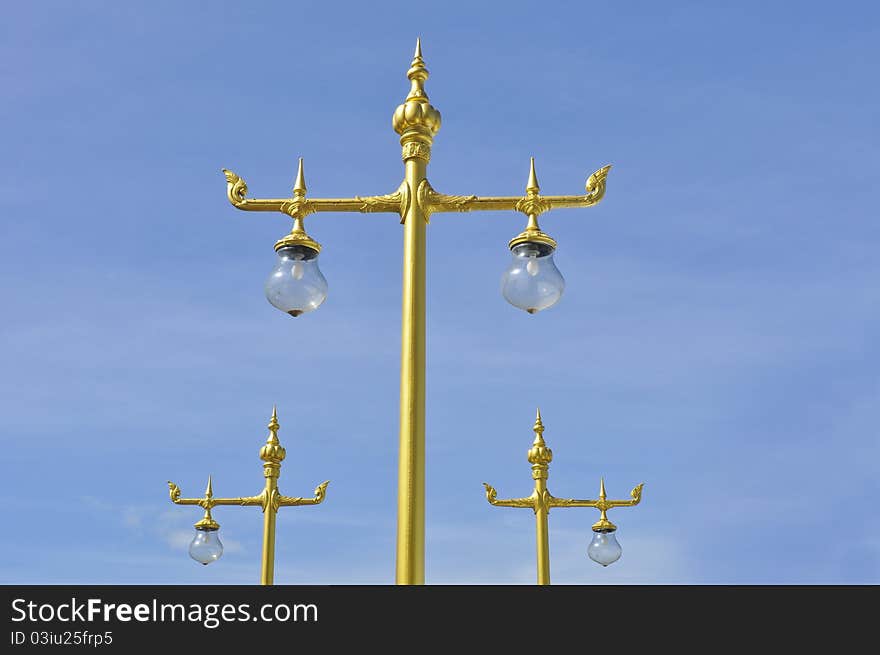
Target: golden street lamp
{"points": [[206, 546], [603, 549], [296, 285]]}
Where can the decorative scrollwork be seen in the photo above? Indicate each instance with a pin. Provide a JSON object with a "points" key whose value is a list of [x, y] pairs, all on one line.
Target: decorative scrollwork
{"points": [[373, 204], [259, 500], [533, 205], [297, 208], [321, 491], [543, 500], [273, 499], [431, 201], [492, 497], [174, 491], [289, 501], [236, 188], [416, 149], [636, 494], [596, 184]]}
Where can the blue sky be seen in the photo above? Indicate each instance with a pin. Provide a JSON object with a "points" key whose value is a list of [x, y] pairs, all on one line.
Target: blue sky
{"points": [[716, 339]]}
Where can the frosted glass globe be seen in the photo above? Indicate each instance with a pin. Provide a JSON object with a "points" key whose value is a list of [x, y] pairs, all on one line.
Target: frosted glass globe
{"points": [[532, 282], [604, 547], [205, 546], [296, 284]]}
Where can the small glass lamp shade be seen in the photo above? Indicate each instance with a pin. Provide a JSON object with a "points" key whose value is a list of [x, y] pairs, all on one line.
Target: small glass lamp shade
{"points": [[604, 548], [205, 546], [296, 284], [532, 282]]}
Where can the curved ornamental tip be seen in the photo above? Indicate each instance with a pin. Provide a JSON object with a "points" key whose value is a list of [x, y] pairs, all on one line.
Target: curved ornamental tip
{"points": [[636, 494], [321, 491], [492, 497], [596, 184], [491, 494], [173, 491], [236, 188], [297, 501]]}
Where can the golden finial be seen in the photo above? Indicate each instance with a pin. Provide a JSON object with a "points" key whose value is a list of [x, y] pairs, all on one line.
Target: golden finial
{"points": [[539, 426], [539, 454], [299, 187], [417, 73], [298, 208], [532, 187], [273, 452], [207, 522], [273, 427], [416, 121], [532, 205], [602, 495]]}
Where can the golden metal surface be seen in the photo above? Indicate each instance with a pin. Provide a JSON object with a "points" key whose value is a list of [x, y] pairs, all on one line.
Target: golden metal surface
{"points": [[541, 500], [532, 206], [298, 209], [270, 499], [417, 122]]}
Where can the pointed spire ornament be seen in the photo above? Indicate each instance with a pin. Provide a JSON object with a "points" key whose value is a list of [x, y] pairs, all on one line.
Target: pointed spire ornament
{"points": [[417, 73], [299, 187], [532, 187], [416, 121], [539, 454], [538, 427], [273, 453], [273, 427]]}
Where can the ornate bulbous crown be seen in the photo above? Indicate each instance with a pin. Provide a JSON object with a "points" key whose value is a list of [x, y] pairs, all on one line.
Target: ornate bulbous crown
{"points": [[273, 452], [416, 119], [539, 453]]}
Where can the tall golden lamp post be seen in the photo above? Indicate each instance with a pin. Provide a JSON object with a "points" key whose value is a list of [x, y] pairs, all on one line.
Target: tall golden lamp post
{"points": [[604, 547], [296, 285], [206, 546]]}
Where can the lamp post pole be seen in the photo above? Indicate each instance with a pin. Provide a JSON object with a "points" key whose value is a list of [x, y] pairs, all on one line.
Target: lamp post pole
{"points": [[270, 499], [411, 465], [541, 500], [416, 121]]}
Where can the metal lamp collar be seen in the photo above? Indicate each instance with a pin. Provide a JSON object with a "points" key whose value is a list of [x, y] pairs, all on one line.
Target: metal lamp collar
{"points": [[296, 238], [532, 236]]}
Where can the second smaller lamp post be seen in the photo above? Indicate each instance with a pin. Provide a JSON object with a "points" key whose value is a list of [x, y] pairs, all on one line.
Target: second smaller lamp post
{"points": [[206, 546], [603, 549]]}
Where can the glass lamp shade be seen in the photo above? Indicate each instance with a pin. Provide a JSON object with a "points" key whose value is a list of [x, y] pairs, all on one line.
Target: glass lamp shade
{"points": [[532, 282], [205, 546], [296, 284], [604, 548]]}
